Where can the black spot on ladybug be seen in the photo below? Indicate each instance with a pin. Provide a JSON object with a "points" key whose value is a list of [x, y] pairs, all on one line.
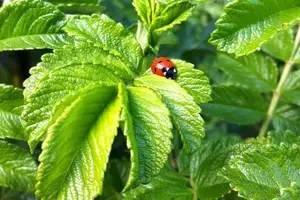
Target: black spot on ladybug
{"points": [[154, 69], [169, 60], [160, 61]]}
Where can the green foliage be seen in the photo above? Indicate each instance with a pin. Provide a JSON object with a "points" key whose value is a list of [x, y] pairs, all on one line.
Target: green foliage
{"points": [[291, 88], [167, 185], [287, 118], [30, 24], [264, 172], [159, 16], [17, 168], [92, 124], [105, 33], [255, 71], [95, 87], [148, 129], [236, 105], [281, 45], [207, 162], [11, 106], [184, 110], [246, 25]]}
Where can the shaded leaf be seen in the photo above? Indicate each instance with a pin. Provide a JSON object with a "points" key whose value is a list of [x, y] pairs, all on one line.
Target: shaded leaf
{"points": [[264, 172], [182, 107], [291, 88], [255, 71], [148, 131], [11, 106], [167, 185], [245, 25], [17, 168], [207, 162], [281, 45], [287, 137], [77, 147], [236, 105], [115, 179], [31, 24], [193, 81], [287, 117], [107, 34]]}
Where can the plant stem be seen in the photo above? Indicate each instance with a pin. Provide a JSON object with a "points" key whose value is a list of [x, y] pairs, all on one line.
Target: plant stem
{"points": [[276, 93], [194, 188]]}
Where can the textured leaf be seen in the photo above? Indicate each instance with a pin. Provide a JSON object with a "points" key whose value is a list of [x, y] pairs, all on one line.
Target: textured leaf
{"points": [[167, 185], [264, 172], [148, 131], [7, 193], [66, 71], [193, 81], [184, 110], [107, 34], [11, 106], [29, 24], [287, 117], [143, 8], [236, 105], [17, 168], [291, 88], [287, 137], [167, 16], [78, 144], [245, 25], [207, 162], [255, 71], [281, 45]]}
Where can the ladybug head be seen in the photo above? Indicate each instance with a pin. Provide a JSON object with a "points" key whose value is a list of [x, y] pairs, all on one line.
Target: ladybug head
{"points": [[171, 73]]}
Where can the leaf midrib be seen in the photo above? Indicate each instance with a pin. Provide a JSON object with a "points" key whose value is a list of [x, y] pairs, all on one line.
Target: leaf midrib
{"points": [[80, 148]]}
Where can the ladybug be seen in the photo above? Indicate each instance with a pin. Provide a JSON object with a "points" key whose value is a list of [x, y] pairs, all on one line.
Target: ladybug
{"points": [[162, 66]]}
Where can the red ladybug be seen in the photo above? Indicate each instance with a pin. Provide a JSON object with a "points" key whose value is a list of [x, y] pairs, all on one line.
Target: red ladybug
{"points": [[162, 66]]}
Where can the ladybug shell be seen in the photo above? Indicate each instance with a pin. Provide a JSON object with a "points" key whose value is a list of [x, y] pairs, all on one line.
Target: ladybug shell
{"points": [[163, 66]]}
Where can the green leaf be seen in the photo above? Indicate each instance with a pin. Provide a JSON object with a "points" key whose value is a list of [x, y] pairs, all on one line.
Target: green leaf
{"points": [[167, 16], [167, 185], [66, 71], [183, 162], [281, 45], [143, 8], [236, 105], [255, 71], [287, 137], [7, 193], [246, 25], [184, 110], [207, 162], [287, 117], [11, 106], [291, 88], [115, 179], [107, 34], [31, 24], [78, 144], [264, 172], [193, 81], [17, 168], [148, 131]]}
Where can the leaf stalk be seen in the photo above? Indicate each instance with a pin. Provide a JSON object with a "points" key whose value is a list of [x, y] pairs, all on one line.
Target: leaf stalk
{"points": [[276, 94]]}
